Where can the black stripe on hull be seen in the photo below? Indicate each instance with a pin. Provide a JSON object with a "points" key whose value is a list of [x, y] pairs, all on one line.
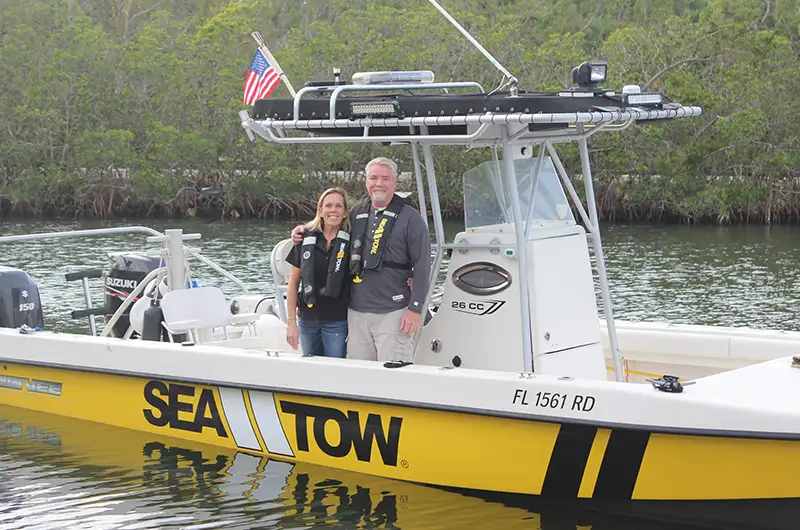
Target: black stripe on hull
{"points": [[568, 461], [621, 464]]}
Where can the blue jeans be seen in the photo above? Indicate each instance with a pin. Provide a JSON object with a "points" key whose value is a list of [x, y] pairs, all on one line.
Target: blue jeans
{"points": [[326, 338]]}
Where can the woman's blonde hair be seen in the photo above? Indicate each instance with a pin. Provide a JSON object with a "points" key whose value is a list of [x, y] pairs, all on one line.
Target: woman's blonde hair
{"points": [[318, 223]]}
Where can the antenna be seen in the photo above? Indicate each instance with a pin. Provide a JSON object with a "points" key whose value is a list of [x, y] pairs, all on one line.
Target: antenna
{"points": [[512, 80]]}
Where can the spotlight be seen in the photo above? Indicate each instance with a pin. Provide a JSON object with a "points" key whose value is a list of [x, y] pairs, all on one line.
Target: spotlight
{"points": [[590, 74]]}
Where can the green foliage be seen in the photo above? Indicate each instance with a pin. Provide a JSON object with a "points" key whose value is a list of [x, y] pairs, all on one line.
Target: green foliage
{"points": [[130, 107]]}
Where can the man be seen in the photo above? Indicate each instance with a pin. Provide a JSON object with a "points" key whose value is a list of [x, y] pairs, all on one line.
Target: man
{"points": [[390, 245]]}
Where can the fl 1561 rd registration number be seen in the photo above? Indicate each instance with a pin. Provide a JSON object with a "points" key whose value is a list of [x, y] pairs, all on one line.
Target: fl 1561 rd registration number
{"points": [[554, 400]]}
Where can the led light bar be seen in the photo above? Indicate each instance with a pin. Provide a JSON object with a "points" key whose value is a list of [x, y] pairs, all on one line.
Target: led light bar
{"points": [[374, 109], [393, 78], [646, 99]]}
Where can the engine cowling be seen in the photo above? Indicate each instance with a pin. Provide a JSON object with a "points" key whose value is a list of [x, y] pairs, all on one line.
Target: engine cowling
{"points": [[20, 303]]}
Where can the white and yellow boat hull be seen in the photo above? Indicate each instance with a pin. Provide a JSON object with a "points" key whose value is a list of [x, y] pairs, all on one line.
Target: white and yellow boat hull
{"points": [[572, 447]]}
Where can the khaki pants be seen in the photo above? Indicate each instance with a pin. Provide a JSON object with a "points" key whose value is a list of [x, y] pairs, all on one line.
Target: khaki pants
{"points": [[377, 337]]}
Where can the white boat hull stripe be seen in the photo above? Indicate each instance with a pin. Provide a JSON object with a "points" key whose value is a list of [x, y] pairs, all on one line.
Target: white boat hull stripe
{"points": [[236, 413], [269, 424]]}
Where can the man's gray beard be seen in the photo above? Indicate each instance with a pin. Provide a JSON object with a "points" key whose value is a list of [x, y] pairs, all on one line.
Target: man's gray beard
{"points": [[380, 196]]}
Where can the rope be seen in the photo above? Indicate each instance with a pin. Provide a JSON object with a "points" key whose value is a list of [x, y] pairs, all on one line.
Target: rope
{"points": [[637, 372]]}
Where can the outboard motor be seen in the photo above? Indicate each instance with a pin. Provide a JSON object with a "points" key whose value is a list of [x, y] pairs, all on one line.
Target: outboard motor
{"points": [[19, 300], [127, 270]]}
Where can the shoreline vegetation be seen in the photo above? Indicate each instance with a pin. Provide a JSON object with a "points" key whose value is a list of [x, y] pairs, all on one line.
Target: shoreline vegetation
{"points": [[154, 86], [289, 195]]}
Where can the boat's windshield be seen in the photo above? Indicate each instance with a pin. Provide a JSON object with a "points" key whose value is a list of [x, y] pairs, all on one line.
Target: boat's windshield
{"points": [[487, 199]]}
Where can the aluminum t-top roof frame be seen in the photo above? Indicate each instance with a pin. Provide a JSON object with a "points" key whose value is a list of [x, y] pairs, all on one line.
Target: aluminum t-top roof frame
{"points": [[501, 128]]}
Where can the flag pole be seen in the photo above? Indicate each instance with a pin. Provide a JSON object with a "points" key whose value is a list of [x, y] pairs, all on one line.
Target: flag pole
{"points": [[263, 47]]}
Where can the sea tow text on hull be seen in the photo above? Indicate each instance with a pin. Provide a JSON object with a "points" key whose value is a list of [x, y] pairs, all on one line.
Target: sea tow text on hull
{"points": [[168, 400], [351, 434]]}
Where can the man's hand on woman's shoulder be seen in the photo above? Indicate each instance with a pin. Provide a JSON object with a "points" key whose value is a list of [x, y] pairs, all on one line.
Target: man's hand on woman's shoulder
{"points": [[297, 234]]}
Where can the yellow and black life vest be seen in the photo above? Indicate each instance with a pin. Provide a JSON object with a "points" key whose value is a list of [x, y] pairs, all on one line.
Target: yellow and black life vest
{"points": [[362, 258], [337, 271]]}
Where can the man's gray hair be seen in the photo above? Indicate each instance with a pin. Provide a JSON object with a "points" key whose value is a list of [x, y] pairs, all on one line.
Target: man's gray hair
{"points": [[382, 161]]}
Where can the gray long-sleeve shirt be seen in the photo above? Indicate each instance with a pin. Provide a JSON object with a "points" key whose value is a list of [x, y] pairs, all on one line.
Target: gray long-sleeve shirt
{"points": [[386, 290]]}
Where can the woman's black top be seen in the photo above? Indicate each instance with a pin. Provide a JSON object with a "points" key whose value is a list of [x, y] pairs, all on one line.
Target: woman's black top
{"points": [[327, 308]]}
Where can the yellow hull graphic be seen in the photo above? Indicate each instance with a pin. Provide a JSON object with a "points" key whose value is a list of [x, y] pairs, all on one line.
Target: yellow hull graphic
{"points": [[420, 445]]}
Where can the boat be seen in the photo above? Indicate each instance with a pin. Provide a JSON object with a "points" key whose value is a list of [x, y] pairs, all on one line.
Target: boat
{"points": [[518, 385]]}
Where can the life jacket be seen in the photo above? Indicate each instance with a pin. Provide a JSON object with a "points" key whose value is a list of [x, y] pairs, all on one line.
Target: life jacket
{"points": [[337, 272], [362, 258]]}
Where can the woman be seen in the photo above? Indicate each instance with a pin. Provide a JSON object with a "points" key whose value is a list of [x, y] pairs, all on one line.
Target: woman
{"points": [[319, 285]]}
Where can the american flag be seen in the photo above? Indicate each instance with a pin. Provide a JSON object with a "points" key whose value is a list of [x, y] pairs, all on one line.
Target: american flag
{"points": [[261, 80]]}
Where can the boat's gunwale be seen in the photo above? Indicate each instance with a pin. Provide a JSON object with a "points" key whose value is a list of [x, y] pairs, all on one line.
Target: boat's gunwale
{"points": [[652, 429]]}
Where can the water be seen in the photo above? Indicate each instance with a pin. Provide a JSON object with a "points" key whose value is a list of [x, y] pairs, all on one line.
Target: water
{"points": [[62, 473], [730, 276], [733, 276]]}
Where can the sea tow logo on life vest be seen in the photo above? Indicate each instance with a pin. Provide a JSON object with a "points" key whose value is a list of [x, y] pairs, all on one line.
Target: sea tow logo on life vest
{"points": [[168, 400], [376, 237], [351, 434], [340, 256]]}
